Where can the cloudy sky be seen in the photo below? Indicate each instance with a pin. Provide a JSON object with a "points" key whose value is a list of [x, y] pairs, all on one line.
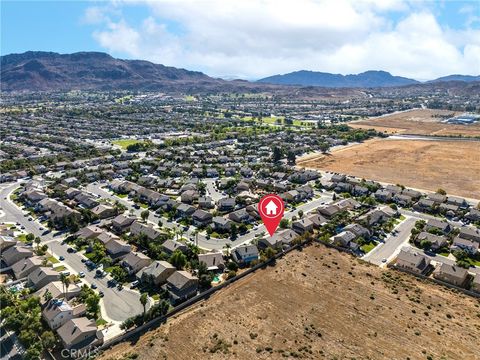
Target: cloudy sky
{"points": [[256, 38]]}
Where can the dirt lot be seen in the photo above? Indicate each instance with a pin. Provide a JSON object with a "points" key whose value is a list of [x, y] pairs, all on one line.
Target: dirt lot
{"points": [[423, 164], [418, 122], [319, 304]]}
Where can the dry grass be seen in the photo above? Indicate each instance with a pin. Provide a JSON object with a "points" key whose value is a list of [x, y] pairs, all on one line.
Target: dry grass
{"points": [[319, 304], [418, 122], [451, 165]]}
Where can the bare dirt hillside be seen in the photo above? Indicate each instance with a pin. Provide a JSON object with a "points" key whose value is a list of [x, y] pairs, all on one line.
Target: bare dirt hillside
{"points": [[319, 304]]}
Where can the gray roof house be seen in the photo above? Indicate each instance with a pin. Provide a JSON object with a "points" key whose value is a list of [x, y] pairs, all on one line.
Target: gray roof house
{"points": [[244, 254], [42, 276], [412, 261], [181, 285], [80, 333], [213, 260], [156, 273], [451, 274]]}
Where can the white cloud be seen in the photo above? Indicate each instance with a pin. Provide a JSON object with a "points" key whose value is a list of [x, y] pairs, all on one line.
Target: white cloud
{"points": [[253, 39]]}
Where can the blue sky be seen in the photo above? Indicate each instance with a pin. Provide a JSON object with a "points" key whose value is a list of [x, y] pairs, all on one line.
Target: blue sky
{"points": [[252, 39]]}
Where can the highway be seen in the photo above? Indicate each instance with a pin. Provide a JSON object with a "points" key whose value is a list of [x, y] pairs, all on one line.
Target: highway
{"points": [[116, 305]]}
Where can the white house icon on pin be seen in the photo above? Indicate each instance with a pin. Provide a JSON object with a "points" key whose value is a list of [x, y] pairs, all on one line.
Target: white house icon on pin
{"points": [[271, 208]]}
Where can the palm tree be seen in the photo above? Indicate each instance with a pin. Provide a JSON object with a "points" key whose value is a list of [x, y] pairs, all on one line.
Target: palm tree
{"points": [[144, 301], [37, 241], [227, 247], [63, 279], [67, 284]]}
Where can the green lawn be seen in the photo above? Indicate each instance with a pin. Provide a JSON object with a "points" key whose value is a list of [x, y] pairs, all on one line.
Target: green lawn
{"points": [[53, 260], [122, 195], [22, 237], [156, 297], [446, 253], [101, 321], [402, 217], [59, 268], [123, 143], [367, 247]]}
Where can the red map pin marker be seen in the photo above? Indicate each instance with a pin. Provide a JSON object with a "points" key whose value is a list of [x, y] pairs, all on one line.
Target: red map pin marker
{"points": [[271, 210]]}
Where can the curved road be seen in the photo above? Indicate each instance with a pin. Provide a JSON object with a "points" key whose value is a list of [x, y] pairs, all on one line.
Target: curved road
{"points": [[116, 305]]}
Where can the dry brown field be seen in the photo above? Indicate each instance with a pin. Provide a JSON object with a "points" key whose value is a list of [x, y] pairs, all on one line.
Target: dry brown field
{"points": [[417, 122], [319, 304], [423, 164]]}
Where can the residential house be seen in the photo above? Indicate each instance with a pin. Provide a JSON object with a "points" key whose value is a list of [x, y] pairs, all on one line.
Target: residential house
{"points": [[122, 223], [358, 230], [135, 261], [104, 211], [42, 276], [412, 261], [470, 233], [467, 245], [436, 242], [58, 311], [156, 273], [137, 228], [181, 285], [213, 260], [451, 274], [80, 333], [344, 239], [15, 254], [221, 224], [303, 225], [245, 254], [201, 218], [226, 204], [57, 290], [24, 267], [438, 225], [170, 246], [329, 210]]}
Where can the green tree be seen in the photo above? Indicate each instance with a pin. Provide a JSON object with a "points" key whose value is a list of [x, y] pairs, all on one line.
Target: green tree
{"points": [[178, 259], [284, 223], [29, 237], [291, 157], [144, 301], [92, 304], [144, 215], [277, 154], [48, 339], [441, 191]]}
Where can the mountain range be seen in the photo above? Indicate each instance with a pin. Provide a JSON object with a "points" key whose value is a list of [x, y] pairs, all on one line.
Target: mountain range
{"points": [[366, 79], [47, 71]]}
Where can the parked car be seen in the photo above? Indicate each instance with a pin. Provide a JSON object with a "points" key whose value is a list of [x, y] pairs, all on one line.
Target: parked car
{"points": [[101, 294], [93, 286], [134, 284], [81, 274], [61, 258]]}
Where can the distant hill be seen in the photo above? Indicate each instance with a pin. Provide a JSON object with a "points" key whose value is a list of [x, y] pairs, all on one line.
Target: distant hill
{"points": [[465, 78], [363, 80], [37, 70]]}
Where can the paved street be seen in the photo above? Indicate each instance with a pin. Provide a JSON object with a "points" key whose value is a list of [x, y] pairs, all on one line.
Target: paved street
{"points": [[116, 305], [393, 243], [202, 241]]}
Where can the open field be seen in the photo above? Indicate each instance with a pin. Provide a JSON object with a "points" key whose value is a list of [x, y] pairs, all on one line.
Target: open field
{"points": [[319, 304], [423, 164], [124, 143], [418, 122]]}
